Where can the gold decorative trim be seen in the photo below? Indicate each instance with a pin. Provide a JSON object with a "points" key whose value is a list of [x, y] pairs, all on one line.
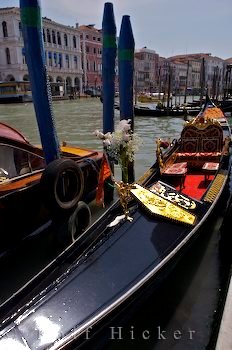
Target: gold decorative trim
{"points": [[215, 188], [3, 179], [162, 207], [202, 123], [145, 176], [173, 196]]}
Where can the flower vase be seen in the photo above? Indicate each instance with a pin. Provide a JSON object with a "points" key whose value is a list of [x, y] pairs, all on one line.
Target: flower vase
{"points": [[124, 166]]}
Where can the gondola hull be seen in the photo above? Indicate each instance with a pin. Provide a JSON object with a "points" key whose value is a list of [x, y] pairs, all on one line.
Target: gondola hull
{"points": [[148, 110], [115, 263], [118, 268]]}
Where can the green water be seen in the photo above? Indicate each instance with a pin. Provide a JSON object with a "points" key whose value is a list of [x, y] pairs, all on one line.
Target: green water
{"points": [[76, 121]]}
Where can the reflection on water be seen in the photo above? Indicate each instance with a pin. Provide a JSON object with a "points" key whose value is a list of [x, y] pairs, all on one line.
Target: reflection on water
{"points": [[76, 120]]}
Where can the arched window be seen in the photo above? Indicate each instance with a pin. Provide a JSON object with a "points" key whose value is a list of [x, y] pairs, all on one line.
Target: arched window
{"points": [[65, 40], [4, 29], [8, 60], [20, 29], [53, 37], [10, 77], [48, 36], [50, 59], [60, 60], [44, 36], [55, 58], [67, 61], [23, 55], [75, 62], [26, 77], [58, 38], [74, 42]]}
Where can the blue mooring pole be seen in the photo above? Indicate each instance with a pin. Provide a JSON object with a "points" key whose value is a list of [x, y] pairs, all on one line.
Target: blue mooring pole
{"points": [[35, 57], [109, 52], [126, 48]]}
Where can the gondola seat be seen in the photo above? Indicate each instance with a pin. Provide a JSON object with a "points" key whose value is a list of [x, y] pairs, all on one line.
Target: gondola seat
{"points": [[177, 170], [209, 168], [197, 159], [201, 141]]}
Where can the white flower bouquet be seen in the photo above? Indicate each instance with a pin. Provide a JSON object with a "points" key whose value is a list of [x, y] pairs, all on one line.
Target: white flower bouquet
{"points": [[121, 145]]}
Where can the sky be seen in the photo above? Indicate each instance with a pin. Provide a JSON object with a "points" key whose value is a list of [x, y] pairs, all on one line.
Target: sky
{"points": [[170, 27]]}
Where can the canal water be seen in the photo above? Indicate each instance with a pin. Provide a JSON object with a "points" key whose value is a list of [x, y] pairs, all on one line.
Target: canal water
{"points": [[185, 312], [76, 121]]}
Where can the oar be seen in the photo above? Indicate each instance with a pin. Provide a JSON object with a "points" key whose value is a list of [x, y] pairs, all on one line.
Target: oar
{"points": [[41, 92]]}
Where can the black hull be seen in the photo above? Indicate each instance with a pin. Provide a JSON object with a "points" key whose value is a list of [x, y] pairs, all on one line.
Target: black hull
{"points": [[113, 265], [141, 111], [117, 325], [149, 112], [93, 288], [16, 99]]}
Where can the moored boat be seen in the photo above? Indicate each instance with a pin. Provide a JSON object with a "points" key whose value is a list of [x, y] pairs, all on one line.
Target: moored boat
{"points": [[15, 91], [33, 194], [152, 97], [152, 110], [131, 248], [114, 262]]}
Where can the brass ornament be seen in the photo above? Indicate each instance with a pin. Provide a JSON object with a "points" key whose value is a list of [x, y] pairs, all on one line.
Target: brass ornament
{"points": [[124, 192], [162, 207], [201, 123]]}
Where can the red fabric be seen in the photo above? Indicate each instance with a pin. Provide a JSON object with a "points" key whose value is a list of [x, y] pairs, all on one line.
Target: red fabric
{"points": [[195, 185], [180, 171], [164, 144], [105, 172], [186, 154], [179, 165]]}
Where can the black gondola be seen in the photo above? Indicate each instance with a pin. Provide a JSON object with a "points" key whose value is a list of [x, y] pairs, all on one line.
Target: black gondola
{"points": [[150, 110], [114, 262]]}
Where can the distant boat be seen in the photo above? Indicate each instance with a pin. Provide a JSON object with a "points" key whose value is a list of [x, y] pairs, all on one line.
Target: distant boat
{"points": [[15, 91], [151, 97], [226, 105], [151, 109]]}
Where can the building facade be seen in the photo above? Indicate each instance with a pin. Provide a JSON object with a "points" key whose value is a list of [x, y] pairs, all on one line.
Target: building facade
{"points": [[62, 52], [91, 48], [74, 61], [146, 70], [213, 75]]}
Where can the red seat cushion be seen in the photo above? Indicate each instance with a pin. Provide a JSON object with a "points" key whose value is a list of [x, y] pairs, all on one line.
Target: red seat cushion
{"points": [[176, 169], [179, 165], [197, 154], [210, 166]]}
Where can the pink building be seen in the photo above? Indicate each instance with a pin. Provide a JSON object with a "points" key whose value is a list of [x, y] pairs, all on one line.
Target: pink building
{"points": [[91, 47]]}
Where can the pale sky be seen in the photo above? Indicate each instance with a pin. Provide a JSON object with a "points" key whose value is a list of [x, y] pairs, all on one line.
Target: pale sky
{"points": [[170, 27]]}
